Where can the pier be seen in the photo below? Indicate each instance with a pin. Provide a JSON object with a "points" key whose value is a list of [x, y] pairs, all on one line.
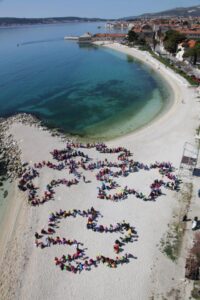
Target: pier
{"points": [[71, 38]]}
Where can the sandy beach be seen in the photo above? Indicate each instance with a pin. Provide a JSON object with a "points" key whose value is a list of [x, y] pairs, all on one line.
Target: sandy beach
{"points": [[29, 273]]}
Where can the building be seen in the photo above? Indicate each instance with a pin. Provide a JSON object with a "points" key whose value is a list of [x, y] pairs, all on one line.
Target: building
{"points": [[180, 52], [191, 34], [85, 38], [113, 37], [182, 47]]}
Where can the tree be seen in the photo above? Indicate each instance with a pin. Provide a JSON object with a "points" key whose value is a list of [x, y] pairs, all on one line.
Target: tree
{"points": [[142, 41], [132, 36], [194, 53], [155, 42], [172, 39], [185, 23]]}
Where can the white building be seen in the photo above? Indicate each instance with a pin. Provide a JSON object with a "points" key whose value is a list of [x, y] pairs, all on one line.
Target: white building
{"points": [[180, 52], [85, 38]]}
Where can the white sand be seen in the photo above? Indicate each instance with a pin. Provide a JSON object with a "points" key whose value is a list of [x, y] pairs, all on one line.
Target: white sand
{"points": [[151, 273]]}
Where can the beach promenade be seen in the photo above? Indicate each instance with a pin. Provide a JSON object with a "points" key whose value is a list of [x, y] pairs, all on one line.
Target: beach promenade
{"points": [[29, 272]]}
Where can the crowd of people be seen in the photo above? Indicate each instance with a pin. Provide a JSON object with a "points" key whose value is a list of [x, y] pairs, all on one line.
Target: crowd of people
{"points": [[124, 166], [26, 184], [76, 163], [165, 169], [155, 191], [79, 261]]}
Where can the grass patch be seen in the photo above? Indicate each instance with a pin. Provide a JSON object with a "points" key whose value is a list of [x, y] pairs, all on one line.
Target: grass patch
{"points": [[196, 290], [198, 130], [171, 243], [144, 48], [168, 249], [5, 194]]}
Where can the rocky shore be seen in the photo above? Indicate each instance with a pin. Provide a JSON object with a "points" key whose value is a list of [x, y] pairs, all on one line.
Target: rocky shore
{"points": [[10, 162]]}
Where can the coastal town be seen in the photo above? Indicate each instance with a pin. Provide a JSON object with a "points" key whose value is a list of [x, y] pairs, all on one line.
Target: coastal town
{"points": [[175, 40]]}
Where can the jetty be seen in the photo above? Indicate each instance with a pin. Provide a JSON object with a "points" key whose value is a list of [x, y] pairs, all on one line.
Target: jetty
{"points": [[90, 38], [71, 38]]}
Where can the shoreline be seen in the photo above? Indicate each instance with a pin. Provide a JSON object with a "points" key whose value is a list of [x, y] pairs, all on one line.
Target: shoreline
{"points": [[163, 139], [177, 97], [16, 26], [134, 122], [126, 129]]}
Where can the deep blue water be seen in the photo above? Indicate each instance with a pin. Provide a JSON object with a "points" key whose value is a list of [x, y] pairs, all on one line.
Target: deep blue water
{"points": [[88, 91]]}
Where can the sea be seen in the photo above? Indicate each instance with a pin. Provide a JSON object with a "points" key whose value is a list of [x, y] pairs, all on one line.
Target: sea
{"points": [[83, 90]]}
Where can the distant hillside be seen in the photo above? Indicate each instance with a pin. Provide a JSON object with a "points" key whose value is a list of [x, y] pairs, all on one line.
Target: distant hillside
{"points": [[34, 21], [193, 11]]}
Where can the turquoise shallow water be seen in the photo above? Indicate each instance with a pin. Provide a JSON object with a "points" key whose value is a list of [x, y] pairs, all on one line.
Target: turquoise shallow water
{"points": [[87, 91]]}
